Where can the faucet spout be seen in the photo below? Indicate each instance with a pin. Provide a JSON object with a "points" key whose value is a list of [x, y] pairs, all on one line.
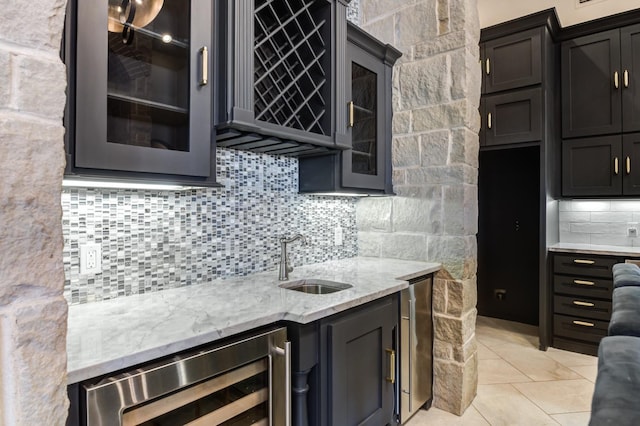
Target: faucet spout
{"points": [[285, 268]]}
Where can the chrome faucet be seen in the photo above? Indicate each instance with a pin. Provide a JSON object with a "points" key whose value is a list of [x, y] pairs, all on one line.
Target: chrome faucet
{"points": [[285, 268]]}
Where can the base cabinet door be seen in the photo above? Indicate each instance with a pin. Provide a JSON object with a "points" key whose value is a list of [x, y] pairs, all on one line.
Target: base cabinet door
{"points": [[362, 367]]}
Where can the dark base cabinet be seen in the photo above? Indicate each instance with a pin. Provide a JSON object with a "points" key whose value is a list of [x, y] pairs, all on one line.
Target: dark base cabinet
{"points": [[582, 289], [343, 367]]}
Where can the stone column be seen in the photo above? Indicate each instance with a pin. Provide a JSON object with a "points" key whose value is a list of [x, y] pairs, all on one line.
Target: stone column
{"points": [[33, 312], [435, 159]]}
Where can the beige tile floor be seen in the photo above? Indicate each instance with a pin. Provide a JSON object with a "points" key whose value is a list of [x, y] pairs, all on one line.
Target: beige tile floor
{"points": [[521, 385]]}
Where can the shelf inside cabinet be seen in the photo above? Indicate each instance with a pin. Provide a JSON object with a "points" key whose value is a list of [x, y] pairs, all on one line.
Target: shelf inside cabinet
{"points": [[151, 104]]}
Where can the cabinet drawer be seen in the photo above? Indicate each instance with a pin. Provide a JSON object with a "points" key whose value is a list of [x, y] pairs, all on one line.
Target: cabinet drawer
{"points": [[583, 286], [582, 307], [584, 265], [579, 328]]}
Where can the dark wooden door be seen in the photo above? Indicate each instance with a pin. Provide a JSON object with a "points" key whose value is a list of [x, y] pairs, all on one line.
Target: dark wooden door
{"points": [[359, 346], [513, 61], [631, 164], [592, 166], [630, 53], [143, 99], [591, 85], [509, 234], [513, 117]]}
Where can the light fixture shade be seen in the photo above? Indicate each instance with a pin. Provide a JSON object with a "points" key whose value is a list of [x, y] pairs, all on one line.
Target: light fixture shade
{"points": [[145, 12]]}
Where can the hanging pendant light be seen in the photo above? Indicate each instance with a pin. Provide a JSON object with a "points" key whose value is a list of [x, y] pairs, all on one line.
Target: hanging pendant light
{"points": [[126, 15]]}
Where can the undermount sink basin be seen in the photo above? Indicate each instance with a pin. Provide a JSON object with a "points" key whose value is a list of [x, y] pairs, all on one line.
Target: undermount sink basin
{"points": [[313, 286]]}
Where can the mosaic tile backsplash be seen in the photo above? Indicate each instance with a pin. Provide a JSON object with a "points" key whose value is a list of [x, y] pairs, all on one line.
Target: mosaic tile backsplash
{"points": [[155, 240]]}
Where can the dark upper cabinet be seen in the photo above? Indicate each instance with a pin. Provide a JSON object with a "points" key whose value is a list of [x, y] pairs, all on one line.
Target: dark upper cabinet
{"points": [[281, 79], [591, 81], [630, 164], [513, 61], [365, 167], [140, 92], [592, 166], [630, 56], [513, 117]]}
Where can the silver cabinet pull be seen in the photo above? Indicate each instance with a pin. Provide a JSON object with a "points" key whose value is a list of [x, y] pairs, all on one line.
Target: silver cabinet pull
{"points": [[583, 282], [488, 66], [579, 303], [489, 124], [584, 323], [287, 383], [205, 65], [584, 261], [626, 78], [391, 378], [615, 166], [616, 80], [628, 165]]}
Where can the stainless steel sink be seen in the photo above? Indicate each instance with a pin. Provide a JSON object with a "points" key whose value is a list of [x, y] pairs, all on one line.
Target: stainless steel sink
{"points": [[313, 286]]}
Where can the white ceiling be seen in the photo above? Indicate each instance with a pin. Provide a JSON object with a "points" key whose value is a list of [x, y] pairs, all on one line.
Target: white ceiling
{"points": [[570, 12]]}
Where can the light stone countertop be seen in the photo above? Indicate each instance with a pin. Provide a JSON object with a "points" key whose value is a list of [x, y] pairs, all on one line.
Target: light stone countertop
{"points": [[595, 249], [107, 336]]}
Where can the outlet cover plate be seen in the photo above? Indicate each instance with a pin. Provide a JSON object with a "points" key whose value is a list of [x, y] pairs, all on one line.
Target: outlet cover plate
{"points": [[90, 259]]}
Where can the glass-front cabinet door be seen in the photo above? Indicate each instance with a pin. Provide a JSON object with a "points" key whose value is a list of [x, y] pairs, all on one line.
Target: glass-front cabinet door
{"points": [[364, 164], [143, 95]]}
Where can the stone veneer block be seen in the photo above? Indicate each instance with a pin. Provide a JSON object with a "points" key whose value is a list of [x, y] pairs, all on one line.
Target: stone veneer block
{"points": [[5, 78], [434, 148], [463, 63], [455, 330], [369, 243], [457, 254], [375, 9], [404, 246], [416, 23], [401, 122], [443, 116], [374, 214], [35, 331], [447, 351], [398, 177], [461, 205], [405, 151], [456, 393], [31, 173], [35, 73], [444, 175], [39, 30], [409, 213], [423, 82], [464, 147]]}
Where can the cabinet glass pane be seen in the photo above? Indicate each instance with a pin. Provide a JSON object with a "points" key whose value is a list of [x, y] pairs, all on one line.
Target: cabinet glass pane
{"points": [[364, 132], [148, 73]]}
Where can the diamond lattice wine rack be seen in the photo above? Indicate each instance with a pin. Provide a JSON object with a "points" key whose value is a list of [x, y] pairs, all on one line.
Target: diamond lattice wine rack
{"points": [[282, 80]]}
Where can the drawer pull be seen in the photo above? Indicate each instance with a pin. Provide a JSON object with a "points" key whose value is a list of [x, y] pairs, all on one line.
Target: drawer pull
{"points": [[583, 282], [579, 303], [489, 121], [616, 167], [584, 323], [488, 66], [584, 261]]}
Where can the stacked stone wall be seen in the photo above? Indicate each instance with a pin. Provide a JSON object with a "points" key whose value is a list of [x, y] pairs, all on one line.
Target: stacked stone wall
{"points": [[436, 95], [33, 312]]}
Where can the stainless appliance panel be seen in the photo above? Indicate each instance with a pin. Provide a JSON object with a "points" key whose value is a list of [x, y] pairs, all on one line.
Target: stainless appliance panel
{"points": [[107, 400], [416, 343]]}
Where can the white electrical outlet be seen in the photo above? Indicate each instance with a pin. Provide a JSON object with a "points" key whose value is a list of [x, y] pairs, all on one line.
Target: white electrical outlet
{"points": [[632, 232], [90, 259], [337, 236]]}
